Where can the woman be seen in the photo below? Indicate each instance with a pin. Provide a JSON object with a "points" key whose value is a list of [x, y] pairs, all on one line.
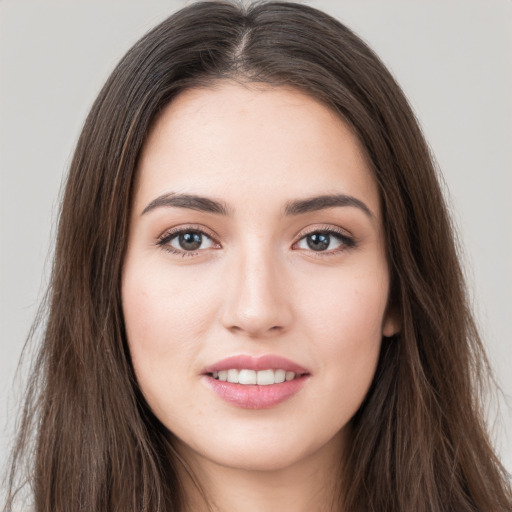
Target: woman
{"points": [[256, 300]]}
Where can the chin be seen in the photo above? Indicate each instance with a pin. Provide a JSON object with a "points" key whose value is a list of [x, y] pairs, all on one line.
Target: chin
{"points": [[258, 459], [270, 453]]}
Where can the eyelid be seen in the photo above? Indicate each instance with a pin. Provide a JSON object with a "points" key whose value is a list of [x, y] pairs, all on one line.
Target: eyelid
{"points": [[347, 239], [163, 239], [322, 228], [343, 235], [188, 227]]}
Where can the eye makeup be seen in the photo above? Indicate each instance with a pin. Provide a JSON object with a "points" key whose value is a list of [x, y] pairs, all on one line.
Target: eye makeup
{"points": [[317, 240], [190, 238], [188, 241]]}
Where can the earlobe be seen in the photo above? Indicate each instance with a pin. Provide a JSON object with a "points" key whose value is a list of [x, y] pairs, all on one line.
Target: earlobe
{"points": [[391, 326]]}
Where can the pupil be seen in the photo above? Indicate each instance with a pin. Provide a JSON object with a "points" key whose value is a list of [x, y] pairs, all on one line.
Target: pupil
{"points": [[318, 241], [190, 241]]}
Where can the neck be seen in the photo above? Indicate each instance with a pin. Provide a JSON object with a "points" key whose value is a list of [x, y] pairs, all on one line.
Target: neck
{"points": [[312, 483]]}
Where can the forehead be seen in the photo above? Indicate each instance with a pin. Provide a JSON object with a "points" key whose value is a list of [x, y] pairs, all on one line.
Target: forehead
{"points": [[240, 142]]}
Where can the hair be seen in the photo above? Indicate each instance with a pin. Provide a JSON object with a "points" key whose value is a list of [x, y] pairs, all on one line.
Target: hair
{"points": [[419, 439]]}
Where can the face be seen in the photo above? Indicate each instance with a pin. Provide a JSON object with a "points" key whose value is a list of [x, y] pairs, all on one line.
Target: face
{"points": [[255, 254]]}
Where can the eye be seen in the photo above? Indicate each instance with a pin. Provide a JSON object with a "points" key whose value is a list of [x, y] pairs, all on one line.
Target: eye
{"points": [[186, 241], [325, 241]]}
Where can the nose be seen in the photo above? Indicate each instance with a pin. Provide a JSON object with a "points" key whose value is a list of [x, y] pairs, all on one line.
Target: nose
{"points": [[256, 303]]}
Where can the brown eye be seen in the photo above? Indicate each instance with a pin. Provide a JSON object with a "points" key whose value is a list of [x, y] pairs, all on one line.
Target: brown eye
{"points": [[318, 241], [190, 241], [187, 241], [321, 241]]}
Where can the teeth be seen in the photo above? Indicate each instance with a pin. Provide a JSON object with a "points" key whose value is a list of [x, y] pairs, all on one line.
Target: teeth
{"points": [[247, 377], [262, 377], [233, 376], [279, 376], [265, 377]]}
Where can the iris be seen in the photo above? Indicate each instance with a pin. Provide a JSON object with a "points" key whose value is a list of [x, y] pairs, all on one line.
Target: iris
{"points": [[318, 241]]}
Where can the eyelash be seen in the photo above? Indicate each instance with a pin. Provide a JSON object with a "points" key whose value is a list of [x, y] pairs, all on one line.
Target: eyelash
{"points": [[165, 239], [347, 242]]}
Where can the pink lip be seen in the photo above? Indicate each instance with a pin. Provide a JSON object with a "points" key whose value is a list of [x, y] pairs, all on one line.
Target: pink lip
{"points": [[266, 362], [254, 396]]}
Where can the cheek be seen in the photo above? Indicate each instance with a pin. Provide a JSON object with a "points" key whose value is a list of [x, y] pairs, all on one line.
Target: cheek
{"points": [[160, 309], [344, 318], [164, 329], [348, 305]]}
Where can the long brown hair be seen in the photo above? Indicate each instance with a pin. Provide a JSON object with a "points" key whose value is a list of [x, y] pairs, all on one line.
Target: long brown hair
{"points": [[419, 440]]}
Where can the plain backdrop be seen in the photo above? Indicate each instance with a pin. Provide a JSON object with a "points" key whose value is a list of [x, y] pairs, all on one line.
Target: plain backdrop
{"points": [[452, 58]]}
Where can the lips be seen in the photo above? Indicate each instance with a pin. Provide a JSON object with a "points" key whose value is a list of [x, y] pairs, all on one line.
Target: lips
{"points": [[266, 362], [255, 382]]}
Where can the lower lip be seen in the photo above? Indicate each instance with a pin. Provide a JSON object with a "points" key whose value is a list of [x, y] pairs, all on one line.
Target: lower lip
{"points": [[249, 396]]}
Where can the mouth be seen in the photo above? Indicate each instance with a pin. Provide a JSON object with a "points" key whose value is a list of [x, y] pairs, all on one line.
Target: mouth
{"points": [[255, 382], [255, 377]]}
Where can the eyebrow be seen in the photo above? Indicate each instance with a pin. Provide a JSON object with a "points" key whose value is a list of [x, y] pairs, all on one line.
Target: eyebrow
{"points": [[296, 207], [190, 201], [322, 202]]}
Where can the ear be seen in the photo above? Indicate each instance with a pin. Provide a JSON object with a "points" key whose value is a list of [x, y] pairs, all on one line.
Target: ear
{"points": [[392, 324]]}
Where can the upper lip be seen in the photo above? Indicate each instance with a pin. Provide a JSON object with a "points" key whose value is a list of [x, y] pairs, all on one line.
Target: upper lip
{"points": [[264, 362]]}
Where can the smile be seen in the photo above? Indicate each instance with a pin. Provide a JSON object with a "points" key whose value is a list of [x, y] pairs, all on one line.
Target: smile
{"points": [[247, 377], [255, 382]]}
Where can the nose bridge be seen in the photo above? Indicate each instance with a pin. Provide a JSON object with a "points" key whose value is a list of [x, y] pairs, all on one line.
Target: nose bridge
{"points": [[256, 302]]}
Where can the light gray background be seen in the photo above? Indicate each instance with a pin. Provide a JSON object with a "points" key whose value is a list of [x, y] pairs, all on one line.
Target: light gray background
{"points": [[453, 59]]}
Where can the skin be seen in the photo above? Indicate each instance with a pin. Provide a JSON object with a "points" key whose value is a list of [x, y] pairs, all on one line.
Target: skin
{"points": [[256, 288]]}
